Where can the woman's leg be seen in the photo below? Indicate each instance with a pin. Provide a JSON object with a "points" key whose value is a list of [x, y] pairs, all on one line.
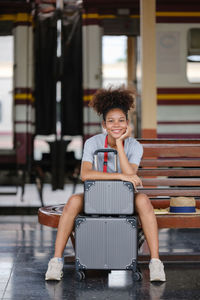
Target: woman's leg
{"points": [[73, 207], [149, 223]]}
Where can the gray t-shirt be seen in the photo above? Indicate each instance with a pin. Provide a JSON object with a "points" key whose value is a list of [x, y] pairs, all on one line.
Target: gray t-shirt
{"points": [[132, 148]]}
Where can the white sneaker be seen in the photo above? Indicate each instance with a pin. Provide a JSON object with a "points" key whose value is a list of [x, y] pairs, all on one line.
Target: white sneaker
{"points": [[156, 268], [54, 271]]}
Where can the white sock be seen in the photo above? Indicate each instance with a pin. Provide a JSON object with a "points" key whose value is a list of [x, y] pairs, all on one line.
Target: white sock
{"points": [[154, 259], [60, 259]]}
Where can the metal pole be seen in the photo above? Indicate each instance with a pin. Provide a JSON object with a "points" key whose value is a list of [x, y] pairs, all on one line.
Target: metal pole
{"points": [[59, 7]]}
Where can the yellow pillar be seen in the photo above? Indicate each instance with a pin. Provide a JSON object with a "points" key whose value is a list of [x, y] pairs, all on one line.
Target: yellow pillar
{"points": [[148, 60]]}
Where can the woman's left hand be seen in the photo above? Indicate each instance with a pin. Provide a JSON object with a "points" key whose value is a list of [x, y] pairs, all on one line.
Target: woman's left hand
{"points": [[136, 181]]}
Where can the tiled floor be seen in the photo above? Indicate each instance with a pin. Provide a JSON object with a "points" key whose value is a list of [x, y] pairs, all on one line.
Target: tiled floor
{"points": [[31, 196], [26, 246]]}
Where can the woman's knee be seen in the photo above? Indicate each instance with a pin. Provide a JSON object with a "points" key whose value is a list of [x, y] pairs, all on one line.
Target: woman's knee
{"points": [[74, 205], [143, 204]]}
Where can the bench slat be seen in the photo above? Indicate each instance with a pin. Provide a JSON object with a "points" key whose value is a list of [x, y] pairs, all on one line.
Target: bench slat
{"points": [[172, 150], [178, 221], [169, 172], [164, 203], [171, 181], [194, 162], [188, 192], [49, 217], [169, 141]]}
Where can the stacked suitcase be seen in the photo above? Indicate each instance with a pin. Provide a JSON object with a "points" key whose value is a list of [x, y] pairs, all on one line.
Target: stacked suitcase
{"points": [[106, 236]]}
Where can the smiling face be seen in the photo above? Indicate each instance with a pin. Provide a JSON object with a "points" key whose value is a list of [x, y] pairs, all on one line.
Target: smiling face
{"points": [[115, 123]]}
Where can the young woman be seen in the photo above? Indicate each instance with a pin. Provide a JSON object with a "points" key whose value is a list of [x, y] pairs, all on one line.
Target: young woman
{"points": [[113, 105]]}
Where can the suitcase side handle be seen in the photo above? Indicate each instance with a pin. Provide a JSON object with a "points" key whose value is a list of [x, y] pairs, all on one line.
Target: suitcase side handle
{"points": [[108, 151]]}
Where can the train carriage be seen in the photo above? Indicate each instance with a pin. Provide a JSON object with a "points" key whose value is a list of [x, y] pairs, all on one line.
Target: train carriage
{"points": [[54, 79]]}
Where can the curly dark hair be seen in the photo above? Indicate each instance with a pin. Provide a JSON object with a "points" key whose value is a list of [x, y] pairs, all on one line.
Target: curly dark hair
{"points": [[106, 99]]}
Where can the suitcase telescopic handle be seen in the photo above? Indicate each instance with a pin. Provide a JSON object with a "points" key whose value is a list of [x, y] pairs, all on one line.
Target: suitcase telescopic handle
{"points": [[103, 151]]}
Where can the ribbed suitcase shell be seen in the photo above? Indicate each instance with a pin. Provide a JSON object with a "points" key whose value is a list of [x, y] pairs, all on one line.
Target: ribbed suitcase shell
{"points": [[108, 197], [106, 243]]}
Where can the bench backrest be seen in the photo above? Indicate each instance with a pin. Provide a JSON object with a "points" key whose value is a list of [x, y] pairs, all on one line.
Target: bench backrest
{"points": [[170, 167]]}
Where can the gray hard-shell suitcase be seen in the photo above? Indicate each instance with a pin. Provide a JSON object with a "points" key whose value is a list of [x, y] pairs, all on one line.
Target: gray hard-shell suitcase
{"points": [[106, 243], [108, 197]]}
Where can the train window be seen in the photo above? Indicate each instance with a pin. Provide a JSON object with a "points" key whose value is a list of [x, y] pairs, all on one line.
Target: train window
{"points": [[193, 57], [6, 87], [114, 57]]}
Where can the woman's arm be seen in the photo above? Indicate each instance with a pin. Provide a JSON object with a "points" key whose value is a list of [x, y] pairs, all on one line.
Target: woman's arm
{"points": [[87, 173], [126, 167]]}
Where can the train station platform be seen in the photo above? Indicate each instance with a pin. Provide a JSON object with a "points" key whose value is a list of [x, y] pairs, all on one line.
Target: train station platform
{"points": [[26, 246]]}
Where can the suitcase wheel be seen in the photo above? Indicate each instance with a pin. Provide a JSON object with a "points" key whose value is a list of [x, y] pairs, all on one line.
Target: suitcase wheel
{"points": [[137, 276], [80, 275]]}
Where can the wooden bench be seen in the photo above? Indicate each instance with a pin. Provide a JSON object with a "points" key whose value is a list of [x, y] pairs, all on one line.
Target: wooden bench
{"points": [[171, 168], [168, 168]]}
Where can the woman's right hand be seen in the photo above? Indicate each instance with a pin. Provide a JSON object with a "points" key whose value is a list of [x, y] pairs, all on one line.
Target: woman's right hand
{"points": [[134, 179], [126, 134]]}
